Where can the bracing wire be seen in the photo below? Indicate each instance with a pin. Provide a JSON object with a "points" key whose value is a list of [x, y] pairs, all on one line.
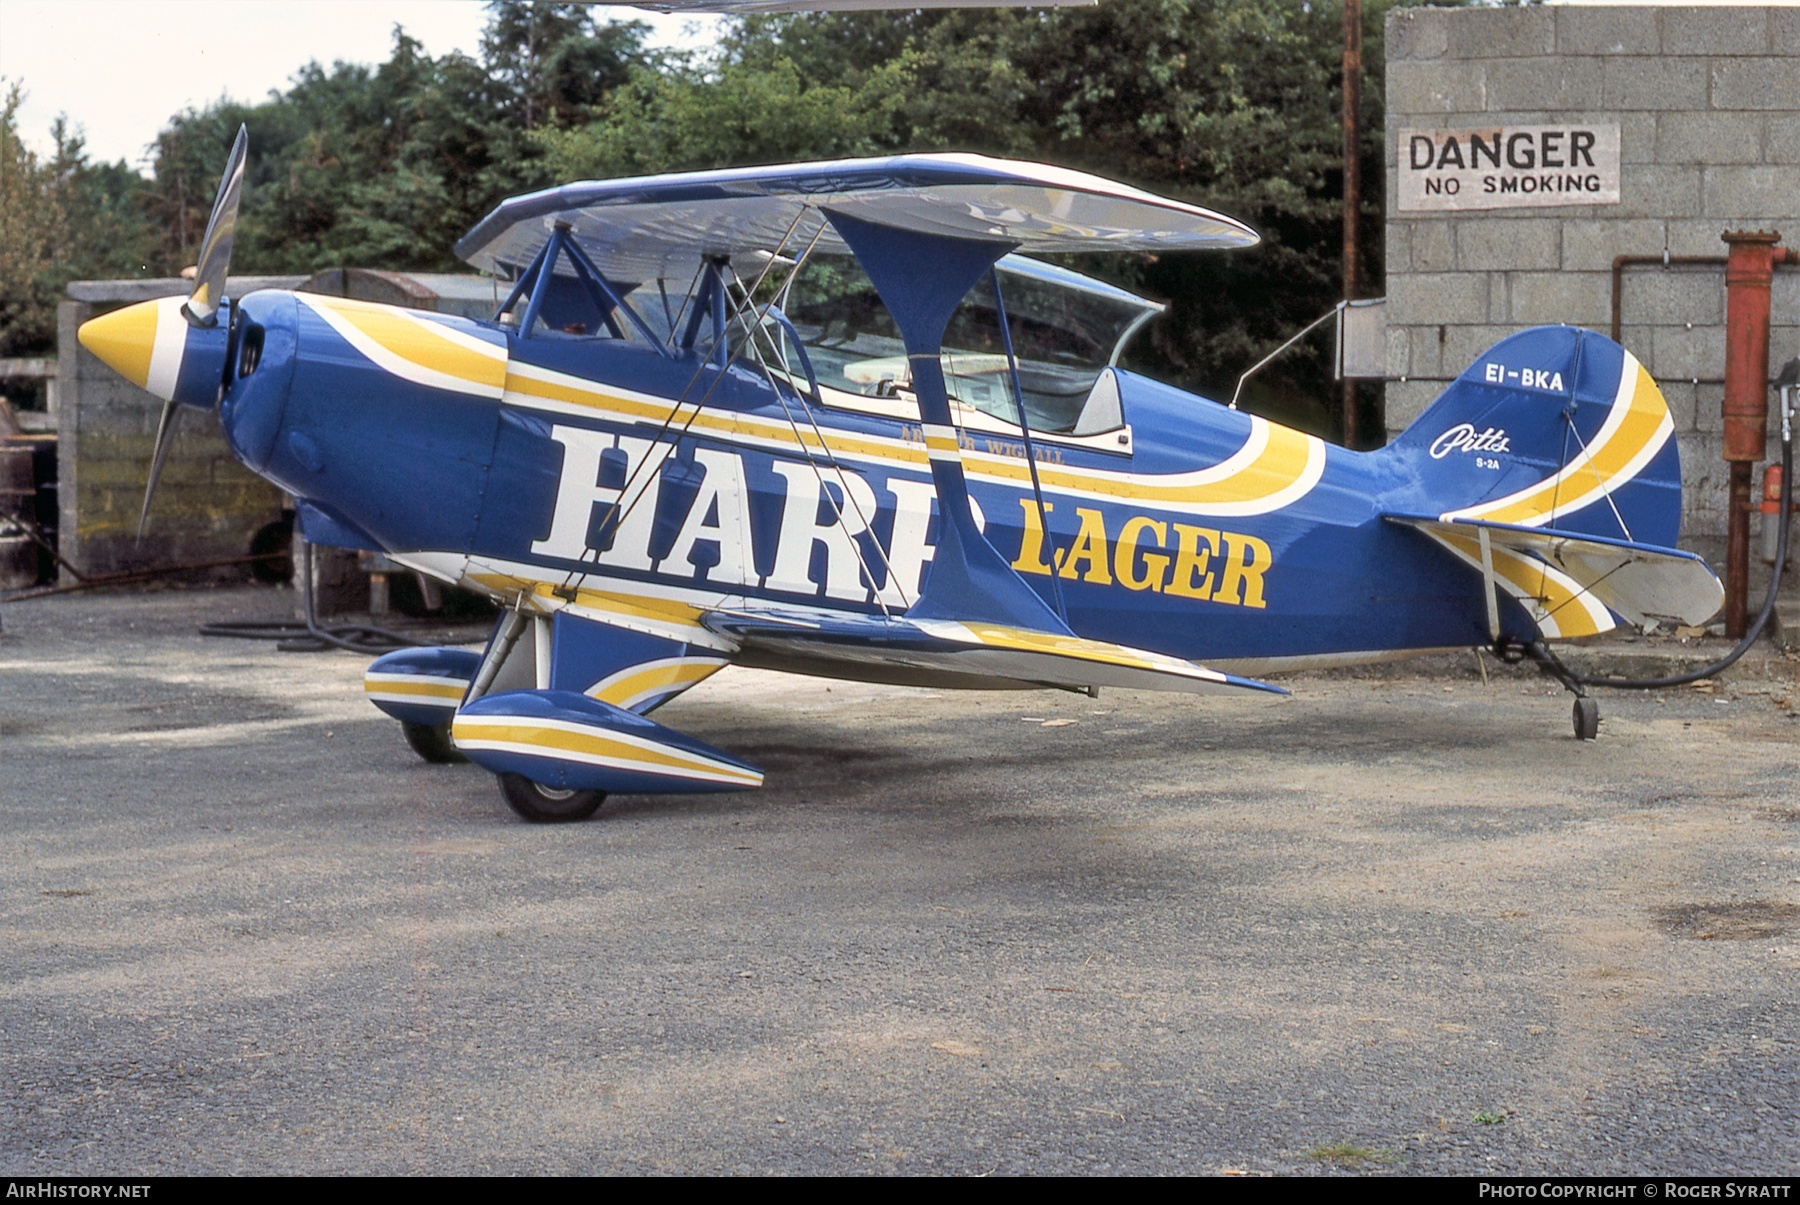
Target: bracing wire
{"points": [[760, 329], [657, 443], [1604, 492], [844, 488]]}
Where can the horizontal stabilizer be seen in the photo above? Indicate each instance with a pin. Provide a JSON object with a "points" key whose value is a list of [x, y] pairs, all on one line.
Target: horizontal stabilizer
{"points": [[1567, 581], [958, 653]]}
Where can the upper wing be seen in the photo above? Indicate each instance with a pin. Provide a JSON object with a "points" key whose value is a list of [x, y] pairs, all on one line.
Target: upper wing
{"points": [[651, 227]]}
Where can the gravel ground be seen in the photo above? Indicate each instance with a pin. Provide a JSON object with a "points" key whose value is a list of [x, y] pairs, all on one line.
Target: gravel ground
{"points": [[1397, 923]]}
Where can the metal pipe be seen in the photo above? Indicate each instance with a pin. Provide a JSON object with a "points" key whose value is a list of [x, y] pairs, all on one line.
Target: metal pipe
{"points": [[125, 579], [1749, 271], [1621, 262], [1737, 550], [1352, 185]]}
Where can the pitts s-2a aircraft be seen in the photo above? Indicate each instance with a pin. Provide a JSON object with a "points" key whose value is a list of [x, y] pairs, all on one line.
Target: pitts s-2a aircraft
{"points": [[824, 418]]}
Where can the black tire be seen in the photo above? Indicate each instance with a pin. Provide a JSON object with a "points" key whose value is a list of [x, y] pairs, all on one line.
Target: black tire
{"points": [[274, 544], [547, 805], [1587, 719], [432, 743]]}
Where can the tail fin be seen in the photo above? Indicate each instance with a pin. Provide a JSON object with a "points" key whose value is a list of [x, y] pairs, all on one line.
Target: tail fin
{"points": [[1555, 428]]}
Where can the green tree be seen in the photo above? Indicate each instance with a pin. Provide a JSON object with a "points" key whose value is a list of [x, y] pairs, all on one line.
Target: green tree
{"points": [[678, 119], [388, 166], [1232, 104], [552, 61], [61, 219]]}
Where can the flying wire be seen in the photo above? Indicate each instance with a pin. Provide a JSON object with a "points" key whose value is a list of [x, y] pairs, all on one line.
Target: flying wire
{"points": [[843, 483], [1037, 489], [761, 328], [574, 576], [1604, 491]]}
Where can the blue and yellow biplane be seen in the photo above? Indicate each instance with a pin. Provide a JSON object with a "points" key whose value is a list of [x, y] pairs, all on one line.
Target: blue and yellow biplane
{"points": [[831, 418]]}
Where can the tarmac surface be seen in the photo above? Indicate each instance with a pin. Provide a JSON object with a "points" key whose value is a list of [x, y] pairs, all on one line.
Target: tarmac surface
{"points": [[1401, 922]]}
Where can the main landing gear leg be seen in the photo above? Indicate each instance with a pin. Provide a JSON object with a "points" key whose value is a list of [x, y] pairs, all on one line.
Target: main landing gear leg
{"points": [[1587, 708]]}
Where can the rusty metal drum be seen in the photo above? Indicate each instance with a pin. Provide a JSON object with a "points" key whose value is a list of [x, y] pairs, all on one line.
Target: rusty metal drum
{"points": [[18, 494]]}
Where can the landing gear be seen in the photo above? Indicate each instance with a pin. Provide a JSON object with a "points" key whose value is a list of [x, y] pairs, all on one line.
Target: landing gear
{"points": [[1587, 708], [546, 805], [432, 743], [1587, 718]]}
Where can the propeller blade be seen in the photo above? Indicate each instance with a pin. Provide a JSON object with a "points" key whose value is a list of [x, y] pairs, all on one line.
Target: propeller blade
{"points": [[215, 249], [165, 439]]}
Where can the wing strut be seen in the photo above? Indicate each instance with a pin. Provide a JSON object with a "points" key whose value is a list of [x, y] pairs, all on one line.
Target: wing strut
{"points": [[539, 281], [1488, 583], [922, 278], [1018, 392]]}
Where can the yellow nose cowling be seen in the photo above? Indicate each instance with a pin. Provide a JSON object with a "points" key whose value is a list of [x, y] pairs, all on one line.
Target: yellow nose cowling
{"points": [[142, 343]]}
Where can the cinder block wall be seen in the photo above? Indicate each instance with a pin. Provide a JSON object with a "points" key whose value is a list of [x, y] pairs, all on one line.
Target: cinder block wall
{"points": [[207, 505], [1708, 105]]}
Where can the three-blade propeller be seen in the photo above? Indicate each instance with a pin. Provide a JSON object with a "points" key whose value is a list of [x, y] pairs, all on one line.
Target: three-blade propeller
{"points": [[202, 306]]}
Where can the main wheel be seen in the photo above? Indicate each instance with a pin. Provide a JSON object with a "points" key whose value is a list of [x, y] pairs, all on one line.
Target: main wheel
{"points": [[1587, 719], [432, 742], [547, 805]]}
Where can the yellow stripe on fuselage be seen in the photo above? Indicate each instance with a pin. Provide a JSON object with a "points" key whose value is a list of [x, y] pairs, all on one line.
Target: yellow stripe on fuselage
{"points": [[1274, 467], [1284, 469], [411, 687], [416, 348], [525, 382]]}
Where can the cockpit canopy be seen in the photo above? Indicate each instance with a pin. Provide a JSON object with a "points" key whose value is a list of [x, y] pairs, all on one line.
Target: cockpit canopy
{"points": [[1066, 329], [666, 259]]}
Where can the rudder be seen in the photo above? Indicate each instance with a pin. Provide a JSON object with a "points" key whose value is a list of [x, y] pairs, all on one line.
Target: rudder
{"points": [[1556, 428]]}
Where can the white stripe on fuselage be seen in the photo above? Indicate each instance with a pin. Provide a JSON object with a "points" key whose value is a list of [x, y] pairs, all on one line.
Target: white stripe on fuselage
{"points": [[893, 453]]}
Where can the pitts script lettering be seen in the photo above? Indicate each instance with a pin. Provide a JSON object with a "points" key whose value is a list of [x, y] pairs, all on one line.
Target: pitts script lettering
{"points": [[1464, 438]]}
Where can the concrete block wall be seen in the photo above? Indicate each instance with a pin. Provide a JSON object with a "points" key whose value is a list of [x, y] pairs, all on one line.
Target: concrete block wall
{"points": [[207, 506], [1708, 106]]}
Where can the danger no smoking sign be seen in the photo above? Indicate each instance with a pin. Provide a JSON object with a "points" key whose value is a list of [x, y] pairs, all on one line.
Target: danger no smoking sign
{"points": [[1503, 167]]}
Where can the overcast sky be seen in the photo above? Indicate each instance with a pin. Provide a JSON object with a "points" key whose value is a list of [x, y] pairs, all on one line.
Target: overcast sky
{"points": [[121, 68]]}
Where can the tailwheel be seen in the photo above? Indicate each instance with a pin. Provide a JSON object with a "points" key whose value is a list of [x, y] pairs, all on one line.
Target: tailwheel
{"points": [[432, 743], [1587, 710], [546, 805], [1587, 718]]}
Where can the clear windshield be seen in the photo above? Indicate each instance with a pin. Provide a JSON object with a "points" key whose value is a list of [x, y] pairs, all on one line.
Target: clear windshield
{"points": [[1062, 334]]}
